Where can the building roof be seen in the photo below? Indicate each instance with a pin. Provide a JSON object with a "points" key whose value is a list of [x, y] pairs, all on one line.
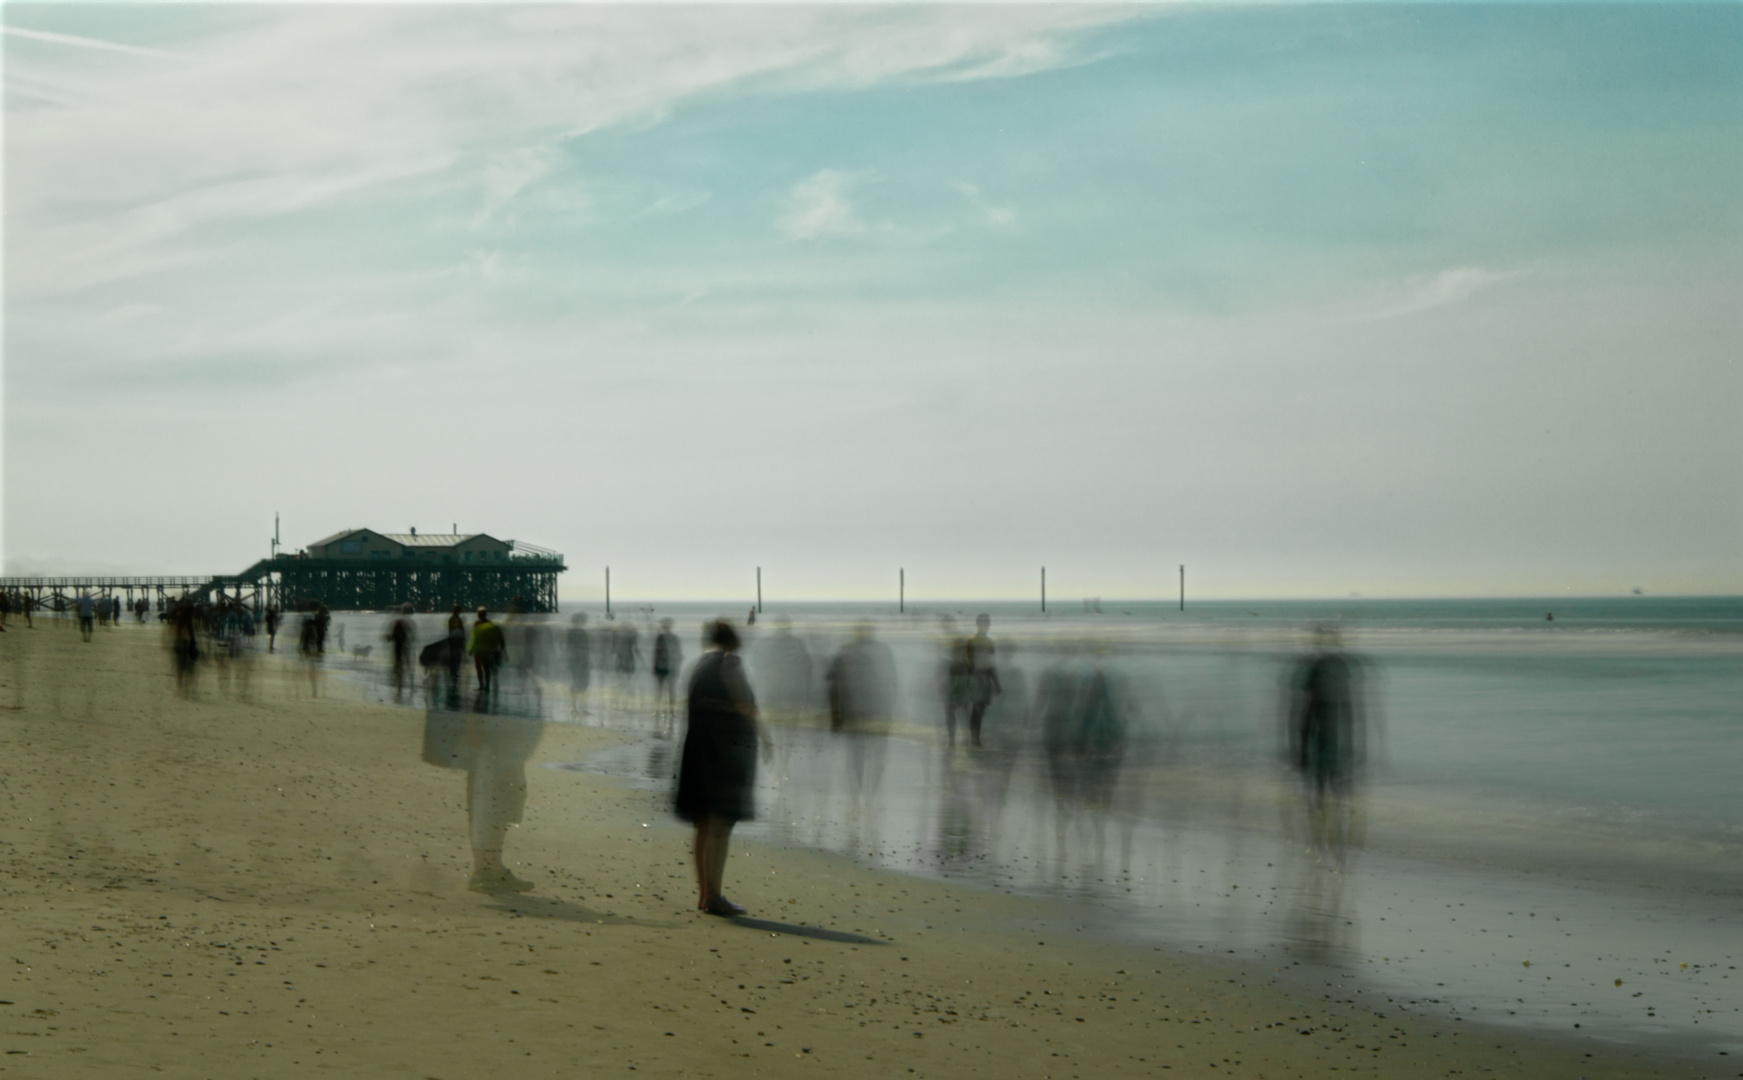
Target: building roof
{"points": [[336, 537], [431, 539]]}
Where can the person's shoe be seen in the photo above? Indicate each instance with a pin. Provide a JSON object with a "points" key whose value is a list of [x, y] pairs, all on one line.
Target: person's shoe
{"points": [[500, 881], [723, 906]]}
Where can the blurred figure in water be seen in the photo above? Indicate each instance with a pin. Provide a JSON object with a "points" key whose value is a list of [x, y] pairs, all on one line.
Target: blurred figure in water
{"points": [[578, 651], [717, 770], [626, 660], [402, 636], [954, 676], [1327, 741], [668, 661], [783, 668], [494, 751], [862, 697], [524, 641], [1005, 733], [1084, 728], [983, 676]]}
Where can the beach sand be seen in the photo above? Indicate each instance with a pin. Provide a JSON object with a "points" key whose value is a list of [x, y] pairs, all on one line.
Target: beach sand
{"points": [[219, 888]]}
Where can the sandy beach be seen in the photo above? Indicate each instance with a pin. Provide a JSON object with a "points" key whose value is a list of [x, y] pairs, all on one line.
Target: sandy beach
{"points": [[267, 883]]}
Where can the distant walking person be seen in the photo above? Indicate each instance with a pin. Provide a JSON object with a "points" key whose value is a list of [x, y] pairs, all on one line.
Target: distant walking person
{"points": [[578, 647], [717, 769], [401, 635], [1327, 738], [271, 626], [488, 649], [668, 661], [87, 615], [5, 607], [983, 676]]}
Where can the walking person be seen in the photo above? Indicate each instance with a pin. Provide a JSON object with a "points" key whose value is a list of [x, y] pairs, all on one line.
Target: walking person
{"points": [[488, 649], [717, 770], [983, 677], [579, 649], [271, 626], [668, 660], [401, 635], [87, 615]]}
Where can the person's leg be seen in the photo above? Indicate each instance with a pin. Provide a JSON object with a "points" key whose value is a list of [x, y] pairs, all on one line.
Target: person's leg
{"points": [[975, 712], [721, 831], [699, 849]]}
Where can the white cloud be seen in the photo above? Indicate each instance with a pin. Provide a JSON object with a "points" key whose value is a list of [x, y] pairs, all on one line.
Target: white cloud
{"points": [[1426, 292], [997, 216], [820, 208]]}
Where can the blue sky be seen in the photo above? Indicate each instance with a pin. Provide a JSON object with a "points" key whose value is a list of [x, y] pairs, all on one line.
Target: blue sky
{"points": [[1391, 299]]}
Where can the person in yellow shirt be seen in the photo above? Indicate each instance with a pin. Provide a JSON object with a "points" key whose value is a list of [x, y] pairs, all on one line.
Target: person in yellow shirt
{"points": [[488, 649]]}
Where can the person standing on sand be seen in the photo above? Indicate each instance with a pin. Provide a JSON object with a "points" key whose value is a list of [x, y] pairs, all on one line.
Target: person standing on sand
{"points": [[488, 649], [717, 769], [271, 626], [5, 607], [87, 615]]}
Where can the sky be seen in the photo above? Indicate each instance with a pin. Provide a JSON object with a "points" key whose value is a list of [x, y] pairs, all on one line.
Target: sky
{"points": [[1389, 300]]}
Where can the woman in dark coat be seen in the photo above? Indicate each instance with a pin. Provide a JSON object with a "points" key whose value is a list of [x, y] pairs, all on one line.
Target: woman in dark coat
{"points": [[718, 769]]}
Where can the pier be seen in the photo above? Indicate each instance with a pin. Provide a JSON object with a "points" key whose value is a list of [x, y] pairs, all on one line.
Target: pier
{"points": [[356, 570]]}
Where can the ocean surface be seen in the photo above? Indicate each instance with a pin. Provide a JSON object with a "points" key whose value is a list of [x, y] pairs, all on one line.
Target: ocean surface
{"points": [[1546, 830]]}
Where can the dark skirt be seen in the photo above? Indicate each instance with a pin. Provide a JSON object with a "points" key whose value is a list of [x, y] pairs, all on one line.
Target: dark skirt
{"points": [[718, 769]]}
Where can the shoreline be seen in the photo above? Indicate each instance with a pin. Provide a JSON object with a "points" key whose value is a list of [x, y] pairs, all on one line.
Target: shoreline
{"points": [[264, 888]]}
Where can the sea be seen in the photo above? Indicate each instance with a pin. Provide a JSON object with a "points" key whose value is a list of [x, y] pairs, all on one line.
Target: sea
{"points": [[1545, 830]]}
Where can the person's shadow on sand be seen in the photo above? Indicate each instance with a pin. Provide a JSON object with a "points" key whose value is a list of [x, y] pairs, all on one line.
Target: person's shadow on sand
{"points": [[815, 932], [542, 907]]}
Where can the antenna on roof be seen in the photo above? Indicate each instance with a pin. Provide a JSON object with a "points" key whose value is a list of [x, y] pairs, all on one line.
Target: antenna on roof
{"points": [[414, 530], [456, 528]]}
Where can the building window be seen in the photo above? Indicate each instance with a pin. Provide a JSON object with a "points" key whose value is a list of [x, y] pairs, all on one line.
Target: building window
{"points": [[350, 547]]}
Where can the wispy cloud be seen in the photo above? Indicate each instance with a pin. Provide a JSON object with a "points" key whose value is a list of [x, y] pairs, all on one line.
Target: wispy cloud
{"points": [[820, 209], [79, 42], [1426, 292], [997, 216]]}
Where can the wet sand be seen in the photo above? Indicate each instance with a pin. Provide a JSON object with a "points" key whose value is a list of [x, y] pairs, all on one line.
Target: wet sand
{"points": [[213, 887]]}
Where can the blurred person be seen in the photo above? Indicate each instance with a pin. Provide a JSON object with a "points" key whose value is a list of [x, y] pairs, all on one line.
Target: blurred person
{"points": [[493, 750], [983, 676], [954, 676], [456, 650], [783, 667], [1327, 739], [668, 661], [1084, 730], [184, 645], [717, 767], [578, 649], [626, 661], [271, 627], [402, 635], [323, 618], [5, 607], [862, 695], [139, 608], [524, 639], [87, 608], [487, 647]]}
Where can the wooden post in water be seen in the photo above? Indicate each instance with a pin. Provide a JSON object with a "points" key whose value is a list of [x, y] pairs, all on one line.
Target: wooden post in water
{"points": [[902, 590], [1182, 586], [608, 592], [1043, 590], [759, 590]]}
